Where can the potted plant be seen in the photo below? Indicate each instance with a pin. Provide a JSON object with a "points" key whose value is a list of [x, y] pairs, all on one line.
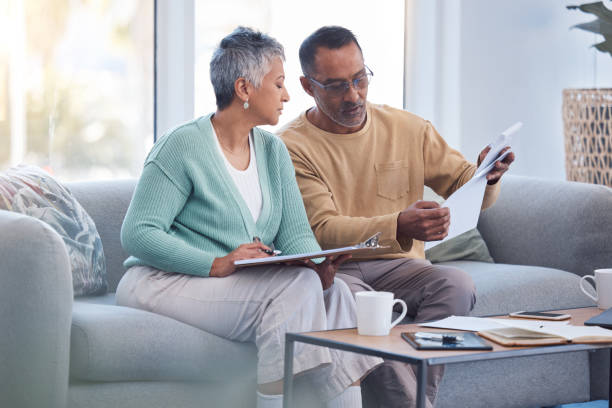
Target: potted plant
{"points": [[587, 113]]}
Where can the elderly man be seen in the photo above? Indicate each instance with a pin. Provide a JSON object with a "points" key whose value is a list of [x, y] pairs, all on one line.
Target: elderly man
{"points": [[361, 169]]}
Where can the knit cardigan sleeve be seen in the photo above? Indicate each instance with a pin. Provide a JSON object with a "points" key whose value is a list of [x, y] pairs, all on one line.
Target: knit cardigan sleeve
{"points": [[146, 232]]}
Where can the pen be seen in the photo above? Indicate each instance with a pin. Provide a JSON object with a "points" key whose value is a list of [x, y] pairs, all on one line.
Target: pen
{"points": [[272, 251], [444, 338]]}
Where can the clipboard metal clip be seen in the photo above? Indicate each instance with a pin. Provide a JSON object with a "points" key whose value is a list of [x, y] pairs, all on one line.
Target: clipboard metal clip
{"points": [[371, 242]]}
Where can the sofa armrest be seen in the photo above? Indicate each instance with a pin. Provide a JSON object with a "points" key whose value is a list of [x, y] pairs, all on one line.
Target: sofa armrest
{"points": [[558, 224], [35, 313]]}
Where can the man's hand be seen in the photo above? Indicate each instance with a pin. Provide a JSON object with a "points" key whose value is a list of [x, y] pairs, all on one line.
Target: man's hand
{"points": [[425, 221], [500, 166], [327, 269], [224, 266]]}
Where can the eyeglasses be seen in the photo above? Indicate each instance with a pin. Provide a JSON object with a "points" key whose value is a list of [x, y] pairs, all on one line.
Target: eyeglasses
{"points": [[339, 88]]}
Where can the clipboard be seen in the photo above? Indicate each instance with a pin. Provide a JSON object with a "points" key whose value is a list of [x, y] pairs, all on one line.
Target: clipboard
{"points": [[370, 244], [471, 341]]}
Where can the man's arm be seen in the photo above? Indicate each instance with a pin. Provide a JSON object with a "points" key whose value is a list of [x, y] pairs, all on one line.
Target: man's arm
{"points": [[333, 229], [446, 169], [496, 173]]}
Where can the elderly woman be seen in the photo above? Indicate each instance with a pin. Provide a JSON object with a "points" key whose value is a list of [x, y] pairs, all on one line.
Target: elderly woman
{"points": [[208, 190]]}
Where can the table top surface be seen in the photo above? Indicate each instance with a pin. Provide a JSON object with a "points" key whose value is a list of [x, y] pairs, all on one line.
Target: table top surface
{"points": [[393, 346]]}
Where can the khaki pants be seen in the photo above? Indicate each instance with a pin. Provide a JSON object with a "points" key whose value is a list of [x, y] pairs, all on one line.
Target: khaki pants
{"points": [[431, 292], [258, 304]]}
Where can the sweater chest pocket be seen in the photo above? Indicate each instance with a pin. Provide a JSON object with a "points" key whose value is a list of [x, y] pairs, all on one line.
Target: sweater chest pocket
{"points": [[392, 179]]}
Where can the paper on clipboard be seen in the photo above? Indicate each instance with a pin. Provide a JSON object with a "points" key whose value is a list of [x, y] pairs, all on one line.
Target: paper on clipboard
{"points": [[370, 244], [465, 203]]}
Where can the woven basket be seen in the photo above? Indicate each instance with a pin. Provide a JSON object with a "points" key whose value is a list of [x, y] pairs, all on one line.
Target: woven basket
{"points": [[587, 122]]}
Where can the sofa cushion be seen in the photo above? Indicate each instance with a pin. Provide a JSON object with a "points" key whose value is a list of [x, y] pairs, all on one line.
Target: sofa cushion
{"points": [[503, 288], [468, 246], [30, 190], [107, 201], [115, 343], [238, 393]]}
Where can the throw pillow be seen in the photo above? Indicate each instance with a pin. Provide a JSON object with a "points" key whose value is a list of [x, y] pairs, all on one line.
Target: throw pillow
{"points": [[30, 190], [468, 246]]}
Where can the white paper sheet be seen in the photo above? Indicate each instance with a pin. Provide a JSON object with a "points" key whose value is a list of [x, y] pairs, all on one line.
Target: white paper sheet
{"points": [[464, 323], [465, 203], [572, 332], [486, 323]]}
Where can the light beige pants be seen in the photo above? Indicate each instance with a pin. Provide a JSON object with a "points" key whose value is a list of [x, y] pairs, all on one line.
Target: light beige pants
{"points": [[258, 304]]}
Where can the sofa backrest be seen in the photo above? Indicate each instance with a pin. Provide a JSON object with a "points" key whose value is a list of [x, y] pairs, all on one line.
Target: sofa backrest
{"points": [[107, 202], [553, 223]]}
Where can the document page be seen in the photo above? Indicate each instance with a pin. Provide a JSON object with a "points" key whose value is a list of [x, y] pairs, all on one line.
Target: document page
{"points": [[470, 323], [572, 332], [465, 203], [464, 323]]}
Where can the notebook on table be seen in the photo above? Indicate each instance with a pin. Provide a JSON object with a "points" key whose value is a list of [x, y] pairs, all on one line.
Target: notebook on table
{"points": [[524, 332]]}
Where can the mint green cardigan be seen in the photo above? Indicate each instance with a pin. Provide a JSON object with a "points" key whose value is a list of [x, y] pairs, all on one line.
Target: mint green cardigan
{"points": [[186, 210]]}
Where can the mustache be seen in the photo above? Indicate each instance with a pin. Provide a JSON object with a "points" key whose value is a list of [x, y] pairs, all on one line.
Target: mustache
{"points": [[350, 105]]}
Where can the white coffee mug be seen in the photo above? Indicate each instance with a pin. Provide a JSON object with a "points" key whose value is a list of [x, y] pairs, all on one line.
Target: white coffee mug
{"points": [[603, 287], [374, 312]]}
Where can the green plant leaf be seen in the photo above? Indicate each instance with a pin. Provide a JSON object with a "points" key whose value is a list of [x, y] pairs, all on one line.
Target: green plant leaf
{"points": [[596, 8], [605, 46], [596, 26], [602, 25]]}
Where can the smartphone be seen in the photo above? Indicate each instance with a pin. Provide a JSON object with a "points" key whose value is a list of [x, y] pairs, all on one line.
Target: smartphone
{"points": [[540, 315]]}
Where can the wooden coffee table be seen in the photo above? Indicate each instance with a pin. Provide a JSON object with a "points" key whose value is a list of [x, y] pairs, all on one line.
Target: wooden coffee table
{"points": [[393, 347]]}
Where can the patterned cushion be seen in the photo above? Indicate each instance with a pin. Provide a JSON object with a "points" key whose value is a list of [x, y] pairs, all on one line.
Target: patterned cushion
{"points": [[30, 190]]}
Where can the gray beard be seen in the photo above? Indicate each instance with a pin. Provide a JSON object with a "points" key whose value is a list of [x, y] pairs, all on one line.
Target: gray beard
{"points": [[337, 120]]}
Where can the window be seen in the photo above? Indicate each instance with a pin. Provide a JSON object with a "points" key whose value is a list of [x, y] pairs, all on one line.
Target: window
{"points": [[380, 31], [76, 86]]}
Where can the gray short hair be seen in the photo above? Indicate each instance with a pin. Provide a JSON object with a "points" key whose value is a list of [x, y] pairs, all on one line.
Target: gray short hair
{"points": [[245, 53]]}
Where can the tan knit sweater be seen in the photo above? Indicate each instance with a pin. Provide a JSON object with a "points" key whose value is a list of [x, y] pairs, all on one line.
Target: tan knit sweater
{"points": [[355, 185]]}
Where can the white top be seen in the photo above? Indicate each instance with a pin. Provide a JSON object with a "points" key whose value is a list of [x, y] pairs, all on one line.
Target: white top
{"points": [[246, 181]]}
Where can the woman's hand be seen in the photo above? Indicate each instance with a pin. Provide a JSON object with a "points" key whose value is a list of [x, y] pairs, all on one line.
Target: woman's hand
{"points": [[224, 266], [327, 269]]}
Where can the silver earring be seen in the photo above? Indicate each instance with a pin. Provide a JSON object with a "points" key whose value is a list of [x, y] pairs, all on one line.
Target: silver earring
{"points": [[246, 105]]}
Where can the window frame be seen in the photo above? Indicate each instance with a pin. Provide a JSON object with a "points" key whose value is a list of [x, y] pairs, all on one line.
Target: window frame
{"points": [[173, 65]]}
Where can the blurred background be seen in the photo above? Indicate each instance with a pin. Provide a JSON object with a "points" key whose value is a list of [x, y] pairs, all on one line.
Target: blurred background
{"points": [[82, 96]]}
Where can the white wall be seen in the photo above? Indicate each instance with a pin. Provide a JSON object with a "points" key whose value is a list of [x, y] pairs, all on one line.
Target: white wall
{"points": [[433, 41], [514, 60]]}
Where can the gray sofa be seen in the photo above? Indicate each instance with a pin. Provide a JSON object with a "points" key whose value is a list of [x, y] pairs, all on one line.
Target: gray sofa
{"points": [[56, 352]]}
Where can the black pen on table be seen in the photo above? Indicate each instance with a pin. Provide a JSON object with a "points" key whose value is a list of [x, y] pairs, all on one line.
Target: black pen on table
{"points": [[443, 338]]}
